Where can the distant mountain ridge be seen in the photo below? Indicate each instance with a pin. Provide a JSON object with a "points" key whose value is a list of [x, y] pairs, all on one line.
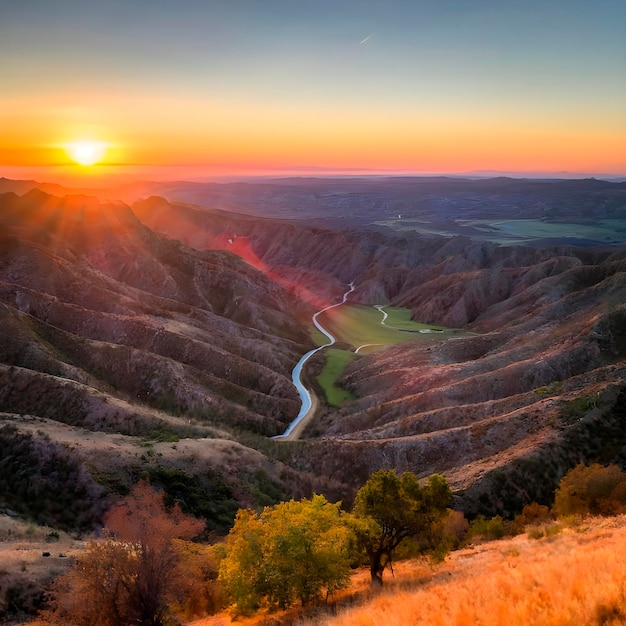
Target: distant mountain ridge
{"points": [[360, 201]]}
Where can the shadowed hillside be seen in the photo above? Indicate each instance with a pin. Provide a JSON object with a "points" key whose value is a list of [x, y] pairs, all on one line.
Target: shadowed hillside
{"points": [[109, 328]]}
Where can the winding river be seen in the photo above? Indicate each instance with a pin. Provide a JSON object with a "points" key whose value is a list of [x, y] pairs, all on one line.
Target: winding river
{"points": [[296, 376]]}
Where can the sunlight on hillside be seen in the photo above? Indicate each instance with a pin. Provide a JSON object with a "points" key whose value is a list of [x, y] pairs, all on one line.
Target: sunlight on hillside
{"points": [[576, 578]]}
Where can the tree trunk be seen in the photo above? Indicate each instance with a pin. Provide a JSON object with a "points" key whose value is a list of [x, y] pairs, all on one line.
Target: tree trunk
{"points": [[376, 569]]}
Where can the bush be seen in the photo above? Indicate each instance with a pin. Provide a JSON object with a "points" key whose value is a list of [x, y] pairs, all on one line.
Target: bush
{"points": [[532, 514], [486, 529], [456, 527], [592, 489], [136, 575], [20, 595], [545, 530]]}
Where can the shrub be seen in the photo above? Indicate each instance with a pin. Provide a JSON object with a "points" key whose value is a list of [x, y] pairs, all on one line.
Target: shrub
{"points": [[19, 595], [134, 576], [531, 514], [487, 529], [549, 530], [592, 489]]}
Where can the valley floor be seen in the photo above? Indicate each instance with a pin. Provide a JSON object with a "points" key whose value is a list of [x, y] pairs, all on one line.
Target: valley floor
{"points": [[576, 577]]}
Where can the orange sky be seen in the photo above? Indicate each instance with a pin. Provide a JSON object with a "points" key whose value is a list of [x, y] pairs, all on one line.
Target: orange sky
{"points": [[215, 90]]}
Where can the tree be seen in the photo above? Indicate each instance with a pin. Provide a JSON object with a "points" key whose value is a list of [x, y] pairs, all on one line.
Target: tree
{"points": [[591, 489], [290, 552], [133, 575], [389, 509]]}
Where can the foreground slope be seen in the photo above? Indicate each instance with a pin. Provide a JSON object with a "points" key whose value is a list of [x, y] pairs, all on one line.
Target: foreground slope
{"points": [[571, 576]]}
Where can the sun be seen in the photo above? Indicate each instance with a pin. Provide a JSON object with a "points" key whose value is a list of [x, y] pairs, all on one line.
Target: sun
{"points": [[86, 152]]}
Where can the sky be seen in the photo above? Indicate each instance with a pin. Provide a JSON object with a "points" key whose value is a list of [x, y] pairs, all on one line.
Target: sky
{"points": [[202, 88]]}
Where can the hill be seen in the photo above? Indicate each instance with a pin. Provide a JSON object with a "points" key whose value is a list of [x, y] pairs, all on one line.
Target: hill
{"points": [[547, 350], [569, 577], [116, 342], [160, 336]]}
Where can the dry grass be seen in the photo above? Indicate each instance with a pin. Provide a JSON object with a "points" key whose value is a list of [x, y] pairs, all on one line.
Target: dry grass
{"points": [[25, 573], [574, 578], [22, 545]]}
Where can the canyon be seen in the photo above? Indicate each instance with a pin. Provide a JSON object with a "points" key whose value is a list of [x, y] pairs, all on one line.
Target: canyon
{"points": [[145, 335]]}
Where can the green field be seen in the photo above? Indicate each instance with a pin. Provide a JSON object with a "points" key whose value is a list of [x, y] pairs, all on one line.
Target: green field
{"points": [[336, 363], [360, 327], [518, 231]]}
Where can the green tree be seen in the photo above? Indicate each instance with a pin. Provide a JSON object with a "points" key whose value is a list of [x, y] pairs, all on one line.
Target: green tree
{"points": [[291, 552], [389, 509], [132, 576], [242, 569]]}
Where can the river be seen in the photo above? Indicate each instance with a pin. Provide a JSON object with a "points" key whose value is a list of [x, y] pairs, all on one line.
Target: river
{"points": [[296, 376]]}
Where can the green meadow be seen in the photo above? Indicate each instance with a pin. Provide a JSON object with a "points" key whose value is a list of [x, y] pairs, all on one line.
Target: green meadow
{"points": [[517, 231], [360, 327], [336, 363]]}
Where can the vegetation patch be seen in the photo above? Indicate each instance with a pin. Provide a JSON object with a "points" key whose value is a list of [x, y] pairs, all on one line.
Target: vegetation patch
{"points": [[336, 363], [555, 388], [577, 408], [400, 318], [163, 433], [206, 496], [360, 325], [43, 480], [262, 488]]}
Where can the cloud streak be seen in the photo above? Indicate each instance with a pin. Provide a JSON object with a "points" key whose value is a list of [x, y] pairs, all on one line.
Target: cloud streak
{"points": [[367, 38]]}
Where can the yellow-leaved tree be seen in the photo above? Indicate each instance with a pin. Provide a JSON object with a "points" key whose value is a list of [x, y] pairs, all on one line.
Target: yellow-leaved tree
{"points": [[294, 551]]}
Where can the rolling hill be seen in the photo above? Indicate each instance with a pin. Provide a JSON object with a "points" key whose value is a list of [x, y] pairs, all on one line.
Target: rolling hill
{"points": [[159, 337]]}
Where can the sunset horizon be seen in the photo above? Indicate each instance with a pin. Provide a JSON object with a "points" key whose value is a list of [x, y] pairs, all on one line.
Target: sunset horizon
{"points": [[236, 90]]}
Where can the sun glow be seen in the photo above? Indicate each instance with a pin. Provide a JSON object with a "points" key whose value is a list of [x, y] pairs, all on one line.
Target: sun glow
{"points": [[86, 152]]}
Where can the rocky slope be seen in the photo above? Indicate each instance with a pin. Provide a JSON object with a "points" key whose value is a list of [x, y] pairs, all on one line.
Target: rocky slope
{"points": [[108, 327], [114, 306], [186, 320]]}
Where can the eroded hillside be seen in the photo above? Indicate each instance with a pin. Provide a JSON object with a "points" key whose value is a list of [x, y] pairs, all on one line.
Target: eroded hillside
{"points": [[108, 327], [540, 376], [168, 321]]}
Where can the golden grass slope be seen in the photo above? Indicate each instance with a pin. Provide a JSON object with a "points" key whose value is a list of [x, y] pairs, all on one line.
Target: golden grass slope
{"points": [[575, 578]]}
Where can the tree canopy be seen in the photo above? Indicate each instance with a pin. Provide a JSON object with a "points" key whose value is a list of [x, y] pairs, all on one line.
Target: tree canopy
{"points": [[389, 509], [292, 551]]}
